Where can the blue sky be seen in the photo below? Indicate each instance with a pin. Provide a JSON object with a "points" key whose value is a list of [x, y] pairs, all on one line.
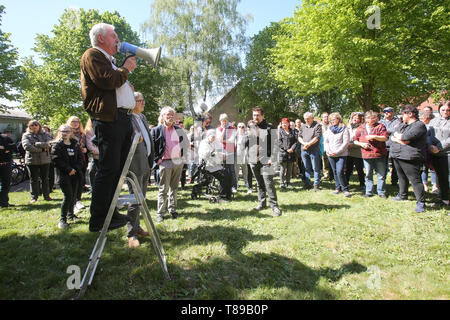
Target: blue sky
{"points": [[26, 18]]}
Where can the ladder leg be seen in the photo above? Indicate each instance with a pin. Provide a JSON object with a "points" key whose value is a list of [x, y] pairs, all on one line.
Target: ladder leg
{"points": [[149, 224], [96, 252]]}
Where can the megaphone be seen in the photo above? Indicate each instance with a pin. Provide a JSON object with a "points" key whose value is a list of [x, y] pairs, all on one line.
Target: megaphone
{"points": [[152, 56]]}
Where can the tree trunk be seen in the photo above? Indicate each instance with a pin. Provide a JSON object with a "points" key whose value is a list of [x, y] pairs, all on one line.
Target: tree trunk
{"points": [[190, 93]]}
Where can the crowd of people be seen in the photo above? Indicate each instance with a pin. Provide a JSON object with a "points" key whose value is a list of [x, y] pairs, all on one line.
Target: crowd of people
{"points": [[408, 146]]}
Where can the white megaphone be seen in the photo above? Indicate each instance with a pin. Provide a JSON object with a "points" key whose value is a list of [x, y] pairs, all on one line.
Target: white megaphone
{"points": [[152, 56]]}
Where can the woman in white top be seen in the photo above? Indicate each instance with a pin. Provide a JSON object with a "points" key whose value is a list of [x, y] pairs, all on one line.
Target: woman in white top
{"points": [[336, 143]]}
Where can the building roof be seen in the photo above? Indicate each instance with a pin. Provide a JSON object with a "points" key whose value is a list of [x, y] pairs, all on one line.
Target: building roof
{"points": [[15, 114]]}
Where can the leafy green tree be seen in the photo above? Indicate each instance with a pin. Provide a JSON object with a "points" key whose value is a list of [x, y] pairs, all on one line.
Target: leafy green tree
{"points": [[330, 44], [52, 92], [10, 74], [202, 40], [259, 87]]}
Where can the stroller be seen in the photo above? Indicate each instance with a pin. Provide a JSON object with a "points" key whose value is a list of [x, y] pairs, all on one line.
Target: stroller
{"points": [[206, 186]]}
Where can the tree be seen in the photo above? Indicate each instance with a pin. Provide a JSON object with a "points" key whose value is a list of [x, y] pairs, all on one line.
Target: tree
{"points": [[201, 39], [328, 44], [52, 92], [259, 87], [10, 74]]}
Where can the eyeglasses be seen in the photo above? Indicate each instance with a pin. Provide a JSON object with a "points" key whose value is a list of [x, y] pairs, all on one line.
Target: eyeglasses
{"points": [[140, 100]]}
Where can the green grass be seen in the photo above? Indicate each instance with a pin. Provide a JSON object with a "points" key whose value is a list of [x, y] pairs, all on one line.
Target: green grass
{"points": [[324, 246]]}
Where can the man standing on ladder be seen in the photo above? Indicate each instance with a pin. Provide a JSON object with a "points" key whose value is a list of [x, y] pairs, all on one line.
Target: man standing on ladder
{"points": [[108, 98]]}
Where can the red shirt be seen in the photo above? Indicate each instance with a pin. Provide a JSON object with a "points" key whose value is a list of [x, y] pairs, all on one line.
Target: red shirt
{"points": [[377, 148]]}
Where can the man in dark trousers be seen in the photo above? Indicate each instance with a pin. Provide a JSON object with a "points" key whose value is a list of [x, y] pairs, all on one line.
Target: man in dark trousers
{"points": [[262, 153], [7, 147], [109, 100]]}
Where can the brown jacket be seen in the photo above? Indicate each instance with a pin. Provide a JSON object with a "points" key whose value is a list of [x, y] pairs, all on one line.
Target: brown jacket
{"points": [[98, 85]]}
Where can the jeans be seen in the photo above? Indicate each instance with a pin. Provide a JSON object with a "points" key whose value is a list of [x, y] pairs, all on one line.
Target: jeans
{"points": [[264, 181], [285, 173], [359, 165], [37, 172], [379, 165], [338, 166], [424, 176], [441, 166], [5, 183], [245, 174], [69, 187], [313, 163], [394, 175], [230, 169]]}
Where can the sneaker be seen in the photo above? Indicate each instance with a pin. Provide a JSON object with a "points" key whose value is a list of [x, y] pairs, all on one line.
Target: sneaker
{"points": [[249, 191], [174, 214], [425, 187], [276, 212], [33, 201], [382, 196], [79, 205], [62, 224], [435, 190], [159, 218], [347, 194], [233, 190], [260, 207], [399, 198], [337, 191], [420, 207]]}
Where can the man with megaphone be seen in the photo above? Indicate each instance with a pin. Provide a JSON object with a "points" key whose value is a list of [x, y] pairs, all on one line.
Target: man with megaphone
{"points": [[109, 99]]}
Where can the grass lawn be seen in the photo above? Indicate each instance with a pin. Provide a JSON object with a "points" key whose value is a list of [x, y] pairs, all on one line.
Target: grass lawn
{"points": [[324, 246]]}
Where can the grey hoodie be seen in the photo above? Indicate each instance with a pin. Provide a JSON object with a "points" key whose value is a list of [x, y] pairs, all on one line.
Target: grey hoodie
{"points": [[439, 135]]}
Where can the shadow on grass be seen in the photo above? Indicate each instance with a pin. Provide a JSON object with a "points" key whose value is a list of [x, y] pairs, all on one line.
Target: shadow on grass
{"points": [[313, 207], [38, 269]]}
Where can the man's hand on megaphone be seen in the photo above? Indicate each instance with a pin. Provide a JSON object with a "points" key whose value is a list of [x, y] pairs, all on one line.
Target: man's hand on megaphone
{"points": [[130, 63]]}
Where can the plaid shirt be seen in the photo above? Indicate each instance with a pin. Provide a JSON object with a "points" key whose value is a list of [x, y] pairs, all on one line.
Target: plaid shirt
{"points": [[377, 148]]}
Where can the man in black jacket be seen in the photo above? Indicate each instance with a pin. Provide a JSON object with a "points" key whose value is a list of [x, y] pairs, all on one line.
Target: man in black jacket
{"points": [[262, 158], [408, 153], [7, 147]]}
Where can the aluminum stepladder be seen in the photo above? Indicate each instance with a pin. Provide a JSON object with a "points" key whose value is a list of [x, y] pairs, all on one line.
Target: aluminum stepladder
{"points": [[135, 198]]}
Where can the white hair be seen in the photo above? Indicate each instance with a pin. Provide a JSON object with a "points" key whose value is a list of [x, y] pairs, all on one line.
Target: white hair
{"points": [[138, 95], [308, 115], [98, 29], [223, 116], [166, 110]]}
